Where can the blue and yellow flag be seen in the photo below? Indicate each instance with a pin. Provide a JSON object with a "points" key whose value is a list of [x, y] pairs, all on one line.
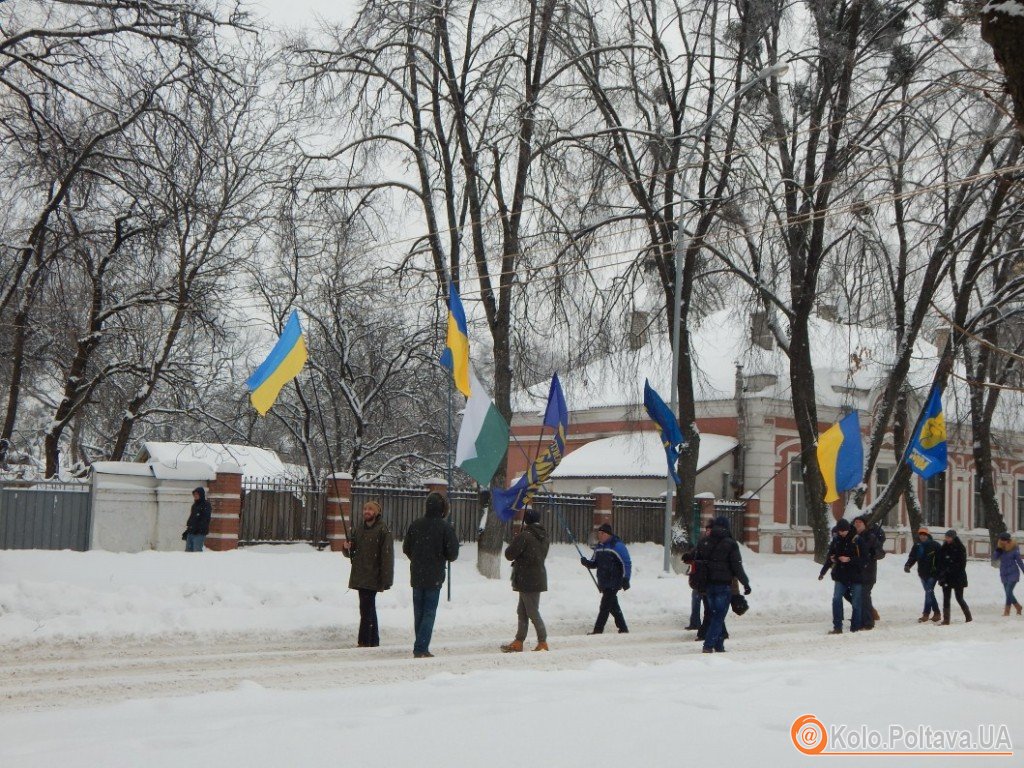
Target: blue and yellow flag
{"points": [[456, 354], [671, 435], [927, 450], [841, 456], [281, 366], [507, 502]]}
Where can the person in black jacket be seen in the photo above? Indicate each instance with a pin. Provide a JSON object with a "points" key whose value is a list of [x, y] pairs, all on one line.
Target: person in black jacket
{"points": [[724, 563], [697, 600], [198, 525], [430, 544], [952, 572], [847, 566], [924, 554], [870, 549]]}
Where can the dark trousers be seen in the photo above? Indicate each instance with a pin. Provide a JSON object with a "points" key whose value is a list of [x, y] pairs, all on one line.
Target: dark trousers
{"points": [[609, 605], [718, 607], [959, 591], [706, 622], [867, 608], [368, 632], [695, 604], [424, 610]]}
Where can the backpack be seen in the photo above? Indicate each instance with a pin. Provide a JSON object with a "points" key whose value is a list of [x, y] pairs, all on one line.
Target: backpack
{"points": [[879, 534], [699, 575]]}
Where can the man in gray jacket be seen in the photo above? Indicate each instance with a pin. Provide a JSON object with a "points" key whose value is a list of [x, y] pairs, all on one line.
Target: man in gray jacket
{"points": [[527, 551]]}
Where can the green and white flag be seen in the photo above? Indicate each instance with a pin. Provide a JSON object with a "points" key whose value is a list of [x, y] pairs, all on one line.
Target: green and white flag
{"points": [[483, 436]]}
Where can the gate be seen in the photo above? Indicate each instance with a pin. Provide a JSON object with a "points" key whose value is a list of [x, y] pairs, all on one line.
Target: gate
{"points": [[45, 515]]}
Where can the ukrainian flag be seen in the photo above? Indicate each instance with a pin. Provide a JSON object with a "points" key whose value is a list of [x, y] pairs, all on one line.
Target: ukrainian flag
{"points": [[841, 456], [456, 354], [927, 453], [281, 366]]}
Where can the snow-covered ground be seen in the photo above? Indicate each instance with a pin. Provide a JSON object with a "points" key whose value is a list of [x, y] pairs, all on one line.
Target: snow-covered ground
{"points": [[247, 658]]}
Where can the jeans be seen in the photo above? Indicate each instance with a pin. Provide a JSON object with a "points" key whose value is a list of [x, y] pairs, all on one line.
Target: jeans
{"points": [[718, 606], [424, 609], [856, 598], [695, 601], [931, 603], [1008, 588], [529, 610], [368, 632], [610, 605], [866, 605], [194, 542]]}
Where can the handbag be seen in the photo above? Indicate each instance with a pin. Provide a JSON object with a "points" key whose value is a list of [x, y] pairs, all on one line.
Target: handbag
{"points": [[739, 604]]}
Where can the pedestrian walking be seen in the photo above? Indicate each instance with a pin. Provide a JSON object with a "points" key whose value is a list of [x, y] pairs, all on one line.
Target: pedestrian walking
{"points": [[697, 599], [845, 561], [528, 550], [430, 544], [371, 548], [870, 545], [1007, 554], [952, 573], [724, 563], [924, 554], [198, 525], [611, 560]]}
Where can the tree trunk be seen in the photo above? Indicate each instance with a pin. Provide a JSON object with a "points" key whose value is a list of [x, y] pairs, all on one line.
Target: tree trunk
{"points": [[1004, 31]]}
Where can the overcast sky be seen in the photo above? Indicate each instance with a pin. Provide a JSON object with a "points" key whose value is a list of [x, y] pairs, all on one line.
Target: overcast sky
{"points": [[299, 13]]}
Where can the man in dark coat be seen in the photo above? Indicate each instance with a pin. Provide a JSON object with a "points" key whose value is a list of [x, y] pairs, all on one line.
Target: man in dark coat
{"points": [[371, 547], [527, 551], [611, 559], [846, 563], [430, 544], [924, 554], [198, 525], [951, 563], [724, 563], [697, 600], [870, 551]]}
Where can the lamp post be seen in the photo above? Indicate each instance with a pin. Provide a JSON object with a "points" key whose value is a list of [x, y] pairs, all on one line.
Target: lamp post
{"points": [[679, 251]]}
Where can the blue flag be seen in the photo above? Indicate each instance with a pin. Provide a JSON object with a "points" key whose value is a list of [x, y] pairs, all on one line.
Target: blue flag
{"points": [[671, 435], [507, 502], [927, 451]]}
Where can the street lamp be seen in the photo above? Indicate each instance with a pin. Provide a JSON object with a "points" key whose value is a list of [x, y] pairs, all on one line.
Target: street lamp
{"points": [[775, 70]]}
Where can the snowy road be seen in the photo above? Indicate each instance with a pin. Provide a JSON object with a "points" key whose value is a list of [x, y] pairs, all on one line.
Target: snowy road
{"points": [[58, 674]]}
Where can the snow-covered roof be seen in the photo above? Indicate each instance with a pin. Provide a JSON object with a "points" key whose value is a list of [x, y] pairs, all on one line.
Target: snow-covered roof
{"points": [[849, 362], [255, 462], [637, 454]]}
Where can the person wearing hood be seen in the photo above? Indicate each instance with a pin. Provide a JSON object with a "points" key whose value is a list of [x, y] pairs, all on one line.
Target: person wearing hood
{"points": [[846, 562], [371, 548], [527, 552], [611, 560], [430, 544], [724, 564], [198, 526], [1007, 554], [924, 553], [952, 573]]}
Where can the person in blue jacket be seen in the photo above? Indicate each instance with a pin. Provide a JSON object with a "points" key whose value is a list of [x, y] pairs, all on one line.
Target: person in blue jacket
{"points": [[611, 560]]}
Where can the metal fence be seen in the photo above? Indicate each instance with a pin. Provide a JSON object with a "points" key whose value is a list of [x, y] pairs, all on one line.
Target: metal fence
{"points": [[276, 511], [45, 515], [639, 519], [736, 512]]}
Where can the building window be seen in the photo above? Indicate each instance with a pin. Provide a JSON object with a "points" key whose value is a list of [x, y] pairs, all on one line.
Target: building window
{"points": [[978, 516], [797, 495], [883, 476], [1020, 505], [935, 500]]}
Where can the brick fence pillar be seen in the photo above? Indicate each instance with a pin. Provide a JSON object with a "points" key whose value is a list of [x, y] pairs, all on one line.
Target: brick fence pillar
{"points": [[603, 498], [706, 510], [225, 495], [752, 522], [339, 509], [436, 485]]}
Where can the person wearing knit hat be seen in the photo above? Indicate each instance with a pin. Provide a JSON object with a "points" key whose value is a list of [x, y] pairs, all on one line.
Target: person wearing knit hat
{"points": [[724, 564], [527, 552], [924, 554], [611, 560], [1011, 565], [371, 549], [951, 562], [846, 562]]}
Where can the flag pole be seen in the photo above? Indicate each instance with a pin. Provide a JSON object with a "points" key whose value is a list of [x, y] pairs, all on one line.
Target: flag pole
{"points": [[327, 442], [451, 509]]}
